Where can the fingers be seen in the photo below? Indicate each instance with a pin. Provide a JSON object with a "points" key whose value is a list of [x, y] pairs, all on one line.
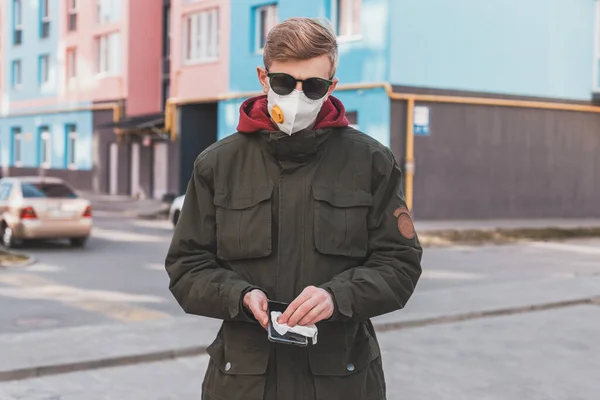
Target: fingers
{"points": [[313, 315], [303, 310], [256, 302], [259, 312], [291, 309]]}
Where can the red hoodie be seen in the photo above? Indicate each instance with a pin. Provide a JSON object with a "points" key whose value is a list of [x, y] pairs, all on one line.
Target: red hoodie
{"points": [[254, 115]]}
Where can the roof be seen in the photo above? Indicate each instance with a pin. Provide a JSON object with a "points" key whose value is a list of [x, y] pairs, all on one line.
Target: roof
{"points": [[156, 120], [34, 179]]}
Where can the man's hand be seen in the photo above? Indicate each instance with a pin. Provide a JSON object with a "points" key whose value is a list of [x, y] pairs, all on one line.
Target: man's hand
{"points": [[313, 305], [256, 302]]}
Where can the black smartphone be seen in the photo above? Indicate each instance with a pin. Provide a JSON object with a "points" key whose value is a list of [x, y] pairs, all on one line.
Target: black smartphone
{"points": [[290, 338]]}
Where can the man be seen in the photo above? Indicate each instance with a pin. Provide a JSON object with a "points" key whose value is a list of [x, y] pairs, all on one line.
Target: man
{"points": [[299, 208]]}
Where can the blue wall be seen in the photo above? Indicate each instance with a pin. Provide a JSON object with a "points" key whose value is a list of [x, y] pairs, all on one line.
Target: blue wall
{"points": [[532, 47], [32, 47], [362, 60], [30, 126]]}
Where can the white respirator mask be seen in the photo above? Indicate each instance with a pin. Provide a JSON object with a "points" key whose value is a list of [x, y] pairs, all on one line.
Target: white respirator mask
{"points": [[293, 112]]}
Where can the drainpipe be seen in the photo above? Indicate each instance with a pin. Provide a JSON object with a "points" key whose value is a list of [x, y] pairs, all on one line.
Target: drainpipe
{"points": [[409, 169]]}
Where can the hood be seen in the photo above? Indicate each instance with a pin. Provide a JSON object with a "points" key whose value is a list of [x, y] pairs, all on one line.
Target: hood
{"points": [[254, 115]]}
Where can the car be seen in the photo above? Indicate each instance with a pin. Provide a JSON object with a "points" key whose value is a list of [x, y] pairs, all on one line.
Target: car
{"points": [[175, 209], [42, 208]]}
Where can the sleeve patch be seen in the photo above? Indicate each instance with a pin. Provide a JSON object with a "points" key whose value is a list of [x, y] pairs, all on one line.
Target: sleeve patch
{"points": [[405, 223]]}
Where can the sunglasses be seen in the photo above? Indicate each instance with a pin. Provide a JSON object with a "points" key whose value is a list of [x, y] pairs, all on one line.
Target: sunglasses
{"points": [[313, 88]]}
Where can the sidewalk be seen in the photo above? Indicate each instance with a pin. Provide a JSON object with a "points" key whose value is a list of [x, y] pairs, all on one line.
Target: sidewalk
{"points": [[125, 205], [59, 351], [492, 224]]}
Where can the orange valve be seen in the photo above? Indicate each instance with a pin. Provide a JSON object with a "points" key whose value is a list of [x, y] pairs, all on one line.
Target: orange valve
{"points": [[277, 115]]}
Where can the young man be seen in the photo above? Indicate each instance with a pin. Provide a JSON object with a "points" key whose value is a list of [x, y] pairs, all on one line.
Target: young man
{"points": [[299, 208]]}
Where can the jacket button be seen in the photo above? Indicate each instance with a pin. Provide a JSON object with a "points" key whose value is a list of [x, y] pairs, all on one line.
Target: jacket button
{"points": [[227, 366], [350, 367]]}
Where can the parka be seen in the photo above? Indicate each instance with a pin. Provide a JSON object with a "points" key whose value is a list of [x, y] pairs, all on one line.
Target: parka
{"points": [[265, 210]]}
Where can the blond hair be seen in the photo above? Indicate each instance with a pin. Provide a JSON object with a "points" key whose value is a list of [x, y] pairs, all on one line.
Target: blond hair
{"points": [[301, 39]]}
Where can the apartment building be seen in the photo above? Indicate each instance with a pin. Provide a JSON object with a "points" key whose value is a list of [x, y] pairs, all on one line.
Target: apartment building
{"points": [[491, 112], [72, 69]]}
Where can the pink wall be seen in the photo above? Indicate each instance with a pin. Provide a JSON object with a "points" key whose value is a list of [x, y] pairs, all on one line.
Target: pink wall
{"points": [[145, 52], [88, 85], [199, 80], [2, 40]]}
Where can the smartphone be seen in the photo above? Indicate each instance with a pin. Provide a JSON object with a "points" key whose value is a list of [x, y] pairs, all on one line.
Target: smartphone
{"points": [[290, 338]]}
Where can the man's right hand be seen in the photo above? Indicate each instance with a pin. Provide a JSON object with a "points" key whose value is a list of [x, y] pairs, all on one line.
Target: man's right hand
{"points": [[256, 302]]}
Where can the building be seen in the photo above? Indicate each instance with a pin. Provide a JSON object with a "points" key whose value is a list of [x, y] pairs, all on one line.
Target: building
{"points": [[492, 113], [503, 121], [69, 72]]}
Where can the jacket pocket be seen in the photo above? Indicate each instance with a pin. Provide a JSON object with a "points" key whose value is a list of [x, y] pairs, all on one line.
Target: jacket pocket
{"points": [[341, 221], [355, 373], [243, 219], [235, 373]]}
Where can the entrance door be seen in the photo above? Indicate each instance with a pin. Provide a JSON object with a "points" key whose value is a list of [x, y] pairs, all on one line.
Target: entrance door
{"points": [[113, 169], [135, 169], [161, 167]]}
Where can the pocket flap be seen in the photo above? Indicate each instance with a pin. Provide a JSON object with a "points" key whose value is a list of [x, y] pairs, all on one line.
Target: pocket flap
{"points": [[242, 198], [342, 197], [343, 362], [238, 361]]}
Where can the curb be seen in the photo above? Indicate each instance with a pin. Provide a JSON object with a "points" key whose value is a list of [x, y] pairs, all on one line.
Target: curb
{"points": [[448, 237], [30, 260], [121, 361]]}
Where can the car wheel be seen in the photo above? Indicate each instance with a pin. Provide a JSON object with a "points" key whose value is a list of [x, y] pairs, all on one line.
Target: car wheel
{"points": [[8, 237], [78, 241], [176, 218]]}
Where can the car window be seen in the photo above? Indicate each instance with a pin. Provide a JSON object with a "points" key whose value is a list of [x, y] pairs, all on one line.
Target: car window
{"points": [[47, 190], [5, 189]]}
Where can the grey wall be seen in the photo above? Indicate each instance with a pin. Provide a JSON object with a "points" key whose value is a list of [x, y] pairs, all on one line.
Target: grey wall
{"points": [[499, 162], [197, 131]]}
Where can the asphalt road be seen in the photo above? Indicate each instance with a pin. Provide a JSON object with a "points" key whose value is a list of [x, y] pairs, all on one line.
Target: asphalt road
{"points": [[119, 277]]}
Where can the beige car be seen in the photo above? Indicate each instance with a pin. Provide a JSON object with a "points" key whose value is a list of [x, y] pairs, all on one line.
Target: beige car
{"points": [[42, 208]]}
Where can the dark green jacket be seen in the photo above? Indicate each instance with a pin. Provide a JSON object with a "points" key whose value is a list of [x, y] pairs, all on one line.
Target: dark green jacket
{"points": [[280, 213]]}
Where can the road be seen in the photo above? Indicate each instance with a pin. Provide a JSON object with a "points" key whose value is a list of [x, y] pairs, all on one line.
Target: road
{"points": [[119, 276], [518, 354]]}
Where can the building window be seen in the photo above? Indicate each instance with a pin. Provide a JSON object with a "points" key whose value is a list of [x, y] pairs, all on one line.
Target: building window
{"points": [[108, 53], [17, 74], [16, 147], [71, 63], [71, 160], [44, 73], [201, 36], [108, 11], [45, 19], [72, 16], [265, 19], [44, 153], [346, 18], [18, 22]]}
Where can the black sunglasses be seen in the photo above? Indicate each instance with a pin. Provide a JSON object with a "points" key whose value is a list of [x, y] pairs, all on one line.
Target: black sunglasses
{"points": [[313, 88]]}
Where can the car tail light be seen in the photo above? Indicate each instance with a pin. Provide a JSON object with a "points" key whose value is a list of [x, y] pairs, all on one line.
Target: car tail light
{"points": [[88, 212], [28, 213]]}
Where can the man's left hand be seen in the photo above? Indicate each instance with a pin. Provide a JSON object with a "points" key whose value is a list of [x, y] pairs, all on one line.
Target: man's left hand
{"points": [[313, 305]]}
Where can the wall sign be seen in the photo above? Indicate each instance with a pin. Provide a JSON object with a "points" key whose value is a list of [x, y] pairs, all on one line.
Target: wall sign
{"points": [[421, 121]]}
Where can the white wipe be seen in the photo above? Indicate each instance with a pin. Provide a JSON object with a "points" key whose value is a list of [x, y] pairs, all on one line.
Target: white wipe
{"points": [[309, 331]]}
